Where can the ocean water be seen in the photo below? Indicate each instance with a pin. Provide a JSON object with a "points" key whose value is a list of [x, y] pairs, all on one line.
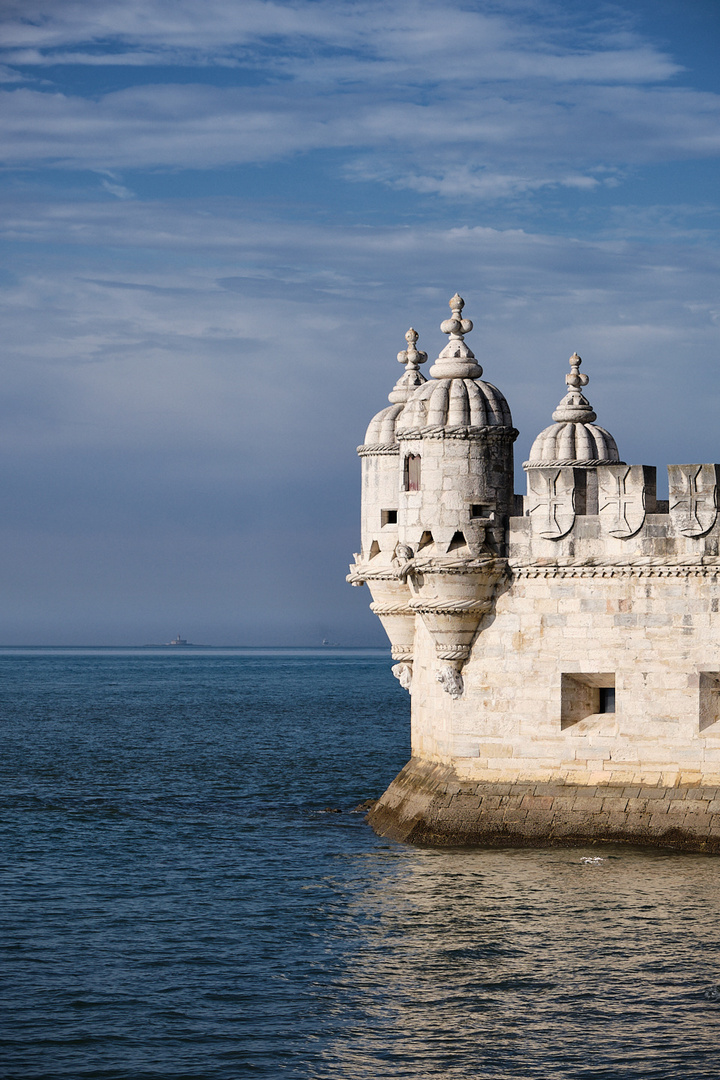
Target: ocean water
{"points": [[188, 892]]}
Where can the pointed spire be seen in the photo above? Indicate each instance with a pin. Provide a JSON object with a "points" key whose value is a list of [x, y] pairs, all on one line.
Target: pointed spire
{"points": [[411, 377], [574, 407], [457, 360]]}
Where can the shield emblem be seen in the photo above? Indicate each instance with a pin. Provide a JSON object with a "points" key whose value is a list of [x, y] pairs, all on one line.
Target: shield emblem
{"points": [[693, 498], [622, 498], [551, 496]]}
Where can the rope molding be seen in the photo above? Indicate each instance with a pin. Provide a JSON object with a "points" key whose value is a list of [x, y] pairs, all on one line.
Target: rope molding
{"points": [[460, 653], [378, 608], [377, 449], [450, 607], [587, 463], [440, 431]]}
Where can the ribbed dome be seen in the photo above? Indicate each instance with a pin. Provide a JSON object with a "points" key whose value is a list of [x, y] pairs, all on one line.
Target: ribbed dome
{"points": [[573, 444], [573, 439], [381, 430], [453, 403]]}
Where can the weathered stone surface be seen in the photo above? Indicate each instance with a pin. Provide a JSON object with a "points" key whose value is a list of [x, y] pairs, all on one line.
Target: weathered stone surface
{"points": [[413, 810]]}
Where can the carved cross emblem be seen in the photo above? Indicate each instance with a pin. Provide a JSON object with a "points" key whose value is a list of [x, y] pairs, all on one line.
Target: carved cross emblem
{"points": [[621, 501], [552, 501], [693, 498]]}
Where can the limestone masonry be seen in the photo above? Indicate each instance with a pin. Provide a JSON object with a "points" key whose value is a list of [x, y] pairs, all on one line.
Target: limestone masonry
{"points": [[562, 648]]}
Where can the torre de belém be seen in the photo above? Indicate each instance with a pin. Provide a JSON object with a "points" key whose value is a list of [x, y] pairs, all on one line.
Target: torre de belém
{"points": [[561, 648]]}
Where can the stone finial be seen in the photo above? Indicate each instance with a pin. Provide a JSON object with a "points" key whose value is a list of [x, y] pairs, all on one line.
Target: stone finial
{"points": [[457, 360], [411, 377], [575, 378], [457, 326], [574, 407], [411, 356]]}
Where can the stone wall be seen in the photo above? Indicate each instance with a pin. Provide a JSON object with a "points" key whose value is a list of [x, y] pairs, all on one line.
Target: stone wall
{"points": [[557, 635], [428, 803]]}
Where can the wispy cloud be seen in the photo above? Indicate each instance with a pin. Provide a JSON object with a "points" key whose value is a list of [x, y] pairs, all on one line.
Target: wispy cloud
{"points": [[435, 98]]}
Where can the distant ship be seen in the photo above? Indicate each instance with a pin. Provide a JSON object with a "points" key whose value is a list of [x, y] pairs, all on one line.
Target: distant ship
{"points": [[177, 643]]}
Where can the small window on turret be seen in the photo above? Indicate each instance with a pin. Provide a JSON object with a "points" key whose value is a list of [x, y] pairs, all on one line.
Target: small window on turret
{"points": [[411, 479], [388, 517], [458, 541], [480, 510]]}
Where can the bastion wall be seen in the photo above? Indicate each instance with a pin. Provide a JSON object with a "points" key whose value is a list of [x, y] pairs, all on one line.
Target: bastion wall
{"points": [[562, 648]]}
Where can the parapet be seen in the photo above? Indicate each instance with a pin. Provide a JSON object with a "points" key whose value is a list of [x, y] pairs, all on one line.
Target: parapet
{"points": [[611, 512]]}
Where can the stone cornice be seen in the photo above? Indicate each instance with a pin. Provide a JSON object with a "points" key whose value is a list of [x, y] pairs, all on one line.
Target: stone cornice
{"points": [[642, 566]]}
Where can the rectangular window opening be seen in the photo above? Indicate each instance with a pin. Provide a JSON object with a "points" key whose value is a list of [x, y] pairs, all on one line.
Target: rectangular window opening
{"points": [[388, 517], [709, 702], [481, 510], [607, 699], [412, 473], [586, 696]]}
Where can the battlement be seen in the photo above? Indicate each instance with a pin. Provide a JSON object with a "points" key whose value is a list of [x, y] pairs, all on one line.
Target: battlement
{"points": [[610, 513]]}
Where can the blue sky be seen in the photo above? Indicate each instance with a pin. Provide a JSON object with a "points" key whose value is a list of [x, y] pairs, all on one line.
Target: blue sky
{"points": [[221, 218]]}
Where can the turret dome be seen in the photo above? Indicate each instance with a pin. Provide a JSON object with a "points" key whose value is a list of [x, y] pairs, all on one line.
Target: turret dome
{"points": [[453, 403], [456, 397], [381, 430], [573, 439]]}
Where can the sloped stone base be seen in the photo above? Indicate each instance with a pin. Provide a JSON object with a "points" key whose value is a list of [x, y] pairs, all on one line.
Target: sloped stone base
{"points": [[428, 804]]}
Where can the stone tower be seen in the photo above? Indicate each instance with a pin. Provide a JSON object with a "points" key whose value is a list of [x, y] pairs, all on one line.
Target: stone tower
{"points": [[437, 496], [562, 649]]}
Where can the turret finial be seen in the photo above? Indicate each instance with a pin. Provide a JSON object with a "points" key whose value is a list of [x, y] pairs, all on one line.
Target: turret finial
{"points": [[575, 379], [411, 377], [457, 360], [457, 326], [412, 356], [574, 407]]}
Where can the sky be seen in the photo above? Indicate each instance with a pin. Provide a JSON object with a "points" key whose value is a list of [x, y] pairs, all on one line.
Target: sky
{"points": [[220, 218]]}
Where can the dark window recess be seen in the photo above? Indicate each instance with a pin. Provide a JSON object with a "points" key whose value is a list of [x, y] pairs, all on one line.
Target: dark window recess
{"points": [[412, 472], [388, 517], [458, 541], [607, 699], [480, 510], [425, 540], [374, 549]]}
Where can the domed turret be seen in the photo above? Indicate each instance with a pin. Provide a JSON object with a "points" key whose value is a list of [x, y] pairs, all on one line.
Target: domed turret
{"points": [[456, 436], [573, 439], [437, 493], [379, 454], [379, 516], [456, 398], [456, 493]]}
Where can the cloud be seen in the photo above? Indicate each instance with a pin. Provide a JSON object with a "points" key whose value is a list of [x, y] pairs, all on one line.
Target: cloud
{"points": [[196, 126], [433, 98], [245, 345], [418, 38], [184, 385]]}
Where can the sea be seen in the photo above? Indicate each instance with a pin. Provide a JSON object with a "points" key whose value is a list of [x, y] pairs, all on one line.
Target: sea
{"points": [[190, 891]]}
